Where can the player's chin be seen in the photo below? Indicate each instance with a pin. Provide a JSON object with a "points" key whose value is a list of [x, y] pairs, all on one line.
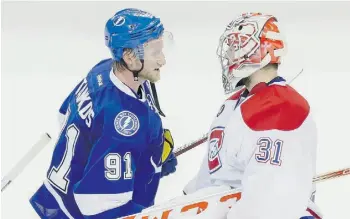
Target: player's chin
{"points": [[155, 75]]}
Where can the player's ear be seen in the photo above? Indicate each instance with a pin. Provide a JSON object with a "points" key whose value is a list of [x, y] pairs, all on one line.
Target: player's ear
{"points": [[129, 58]]}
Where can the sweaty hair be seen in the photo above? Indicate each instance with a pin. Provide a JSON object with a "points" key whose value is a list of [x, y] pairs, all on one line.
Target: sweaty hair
{"points": [[120, 65]]}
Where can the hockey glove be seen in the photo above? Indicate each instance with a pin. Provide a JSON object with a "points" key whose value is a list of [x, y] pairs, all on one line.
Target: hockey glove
{"points": [[169, 166], [168, 145], [169, 160]]}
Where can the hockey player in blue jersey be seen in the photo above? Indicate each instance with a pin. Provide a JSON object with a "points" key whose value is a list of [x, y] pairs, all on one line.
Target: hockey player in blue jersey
{"points": [[112, 149]]}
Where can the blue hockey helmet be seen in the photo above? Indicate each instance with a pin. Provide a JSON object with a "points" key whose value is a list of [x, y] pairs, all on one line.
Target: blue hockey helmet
{"points": [[131, 28]]}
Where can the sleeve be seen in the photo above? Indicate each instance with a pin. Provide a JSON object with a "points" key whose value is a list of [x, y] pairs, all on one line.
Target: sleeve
{"points": [[149, 168], [62, 112], [147, 177], [277, 181], [123, 178], [64, 106], [201, 180], [106, 189]]}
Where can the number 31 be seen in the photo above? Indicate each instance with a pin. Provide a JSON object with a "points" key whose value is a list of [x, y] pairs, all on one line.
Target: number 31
{"points": [[269, 151]]}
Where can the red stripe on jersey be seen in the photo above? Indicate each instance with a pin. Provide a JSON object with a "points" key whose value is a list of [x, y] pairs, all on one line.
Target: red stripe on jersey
{"points": [[236, 95], [314, 214]]}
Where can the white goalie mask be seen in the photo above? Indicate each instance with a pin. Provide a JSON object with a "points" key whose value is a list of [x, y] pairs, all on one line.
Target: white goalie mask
{"points": [[248, 44]]}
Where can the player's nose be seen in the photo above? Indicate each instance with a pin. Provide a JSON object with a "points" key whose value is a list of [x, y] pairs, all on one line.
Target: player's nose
{"points": [[161, 61]]}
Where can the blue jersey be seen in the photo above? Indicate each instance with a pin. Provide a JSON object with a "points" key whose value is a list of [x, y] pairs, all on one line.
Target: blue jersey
{"points": [[107, 160]]}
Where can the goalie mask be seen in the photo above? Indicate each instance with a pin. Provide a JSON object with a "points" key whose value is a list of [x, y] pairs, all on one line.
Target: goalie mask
{"points": [[248, 44]]}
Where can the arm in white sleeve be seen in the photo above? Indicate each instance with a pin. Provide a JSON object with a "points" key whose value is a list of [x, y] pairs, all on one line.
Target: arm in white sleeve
{"points": [[201, 179]]}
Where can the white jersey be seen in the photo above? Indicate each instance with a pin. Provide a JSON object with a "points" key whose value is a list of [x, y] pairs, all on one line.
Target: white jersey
{"points": [[265, 143]]}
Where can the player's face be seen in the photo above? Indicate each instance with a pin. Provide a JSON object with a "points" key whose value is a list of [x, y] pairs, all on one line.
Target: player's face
{"points": [[154, 59]]}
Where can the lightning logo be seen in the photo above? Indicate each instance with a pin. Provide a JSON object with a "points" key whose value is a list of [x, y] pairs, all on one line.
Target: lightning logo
{"points": [[126, 123]]}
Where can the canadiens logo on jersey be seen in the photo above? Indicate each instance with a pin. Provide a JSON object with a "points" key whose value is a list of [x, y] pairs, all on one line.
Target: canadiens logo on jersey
{"points": [[126, 123], [216, 138]]}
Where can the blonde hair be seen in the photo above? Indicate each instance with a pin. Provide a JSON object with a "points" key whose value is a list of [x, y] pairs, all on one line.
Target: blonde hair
{"points": [[121, 65]]}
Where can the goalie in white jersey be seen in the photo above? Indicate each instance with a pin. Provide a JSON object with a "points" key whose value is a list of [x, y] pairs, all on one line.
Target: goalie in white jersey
{"points": [[263, 139]]}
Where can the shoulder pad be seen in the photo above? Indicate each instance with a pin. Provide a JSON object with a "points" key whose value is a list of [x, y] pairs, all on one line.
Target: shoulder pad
{"points": [[276, 107]]}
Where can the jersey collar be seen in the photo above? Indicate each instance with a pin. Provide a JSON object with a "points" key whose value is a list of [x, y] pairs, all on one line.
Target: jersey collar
{"points": [[124, 88], [276, 81]]}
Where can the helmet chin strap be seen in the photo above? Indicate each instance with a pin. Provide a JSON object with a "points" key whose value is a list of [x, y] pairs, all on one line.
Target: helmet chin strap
{"points": [[134, 72]]}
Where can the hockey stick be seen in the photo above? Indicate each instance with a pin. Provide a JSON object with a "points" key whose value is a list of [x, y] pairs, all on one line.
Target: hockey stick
{"points": [[203, 139], [331, 175], [14, 172], [191, 145]]}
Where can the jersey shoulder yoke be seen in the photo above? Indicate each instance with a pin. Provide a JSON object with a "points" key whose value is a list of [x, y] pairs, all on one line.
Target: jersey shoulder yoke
{"points": [[275, 107]]}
